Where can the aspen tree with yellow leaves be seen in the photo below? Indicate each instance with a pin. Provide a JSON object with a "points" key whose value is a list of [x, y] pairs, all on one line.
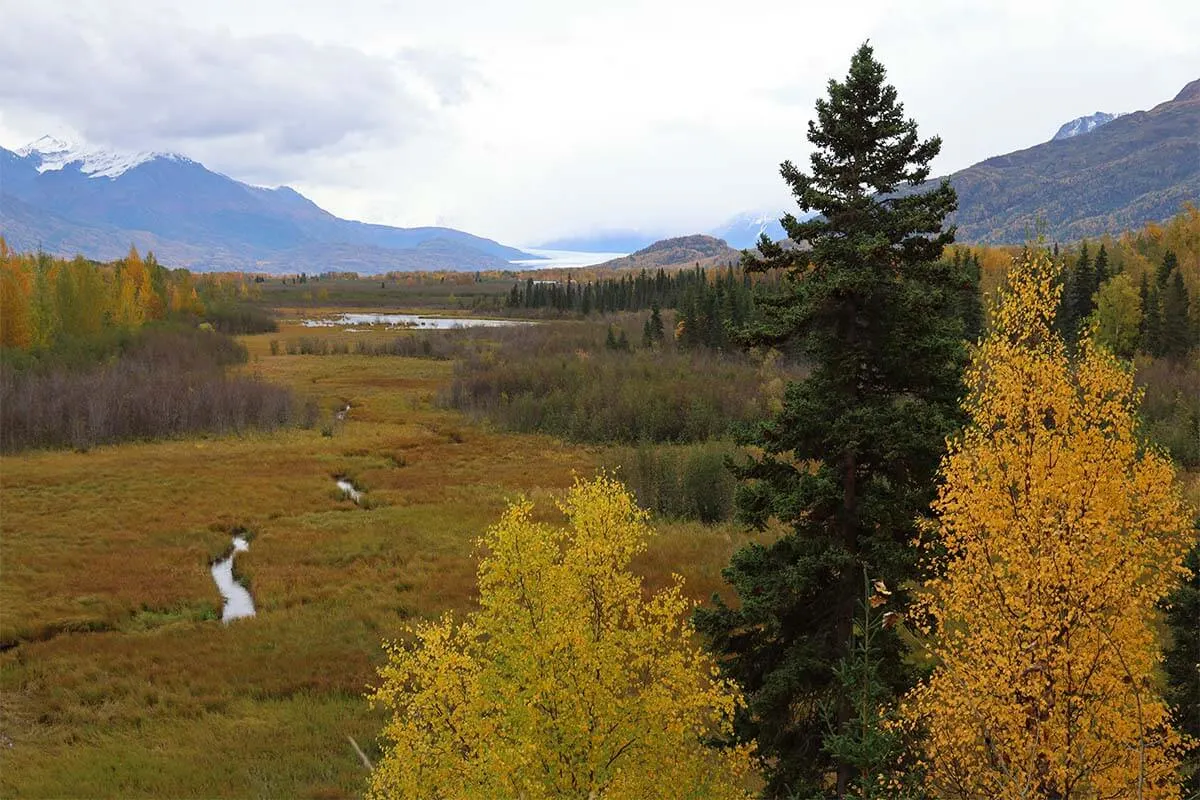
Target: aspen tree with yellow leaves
{"points": [[1059, 531], [568, 681]]}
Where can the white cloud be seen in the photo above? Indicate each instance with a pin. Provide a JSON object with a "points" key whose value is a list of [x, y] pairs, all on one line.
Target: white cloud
{"points": [[535, 119]]}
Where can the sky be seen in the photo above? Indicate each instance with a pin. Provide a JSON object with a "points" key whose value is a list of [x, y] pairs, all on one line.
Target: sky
{"points": [[529, 120]]}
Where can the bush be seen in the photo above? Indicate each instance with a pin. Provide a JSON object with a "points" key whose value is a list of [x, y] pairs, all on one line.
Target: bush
{"points": [[679, 482], [163, 383], [1171, 406], [238, 319]]}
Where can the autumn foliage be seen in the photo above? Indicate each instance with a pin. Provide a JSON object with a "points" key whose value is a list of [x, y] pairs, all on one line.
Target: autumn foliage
{"points": [[1060, 532], [568, 682], [45, 300]]}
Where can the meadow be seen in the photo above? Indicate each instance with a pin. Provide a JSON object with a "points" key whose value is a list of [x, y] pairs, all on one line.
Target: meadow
{"points": [[117, 677]]}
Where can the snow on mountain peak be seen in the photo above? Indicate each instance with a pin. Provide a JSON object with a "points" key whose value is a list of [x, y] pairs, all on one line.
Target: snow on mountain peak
{"points": [[53, 153], [1082, 125]]}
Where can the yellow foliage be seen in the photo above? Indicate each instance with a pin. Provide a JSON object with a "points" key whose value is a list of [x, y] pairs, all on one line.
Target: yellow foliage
{"points": [[1061, 533], [568, 682], [15, 289]]}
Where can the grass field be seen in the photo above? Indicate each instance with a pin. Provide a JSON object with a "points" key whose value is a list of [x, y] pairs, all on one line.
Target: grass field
{"points": [[116, 677]]}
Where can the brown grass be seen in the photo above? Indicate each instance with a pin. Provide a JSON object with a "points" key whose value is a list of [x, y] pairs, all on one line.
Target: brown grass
{"points": [[118, 681]]}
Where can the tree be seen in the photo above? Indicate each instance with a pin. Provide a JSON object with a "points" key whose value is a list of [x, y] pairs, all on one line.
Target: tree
{"points": [[16, 326], [568, 681], [1102, 269], [848, 464], [1083, 287], [1182, 663], [656, 324], [1176, 335], [1118, 316], [1150, 338], [1060, 533]]}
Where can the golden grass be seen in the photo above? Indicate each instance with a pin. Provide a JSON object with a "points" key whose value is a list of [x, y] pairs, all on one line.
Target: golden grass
{"points": [[125, 685]]}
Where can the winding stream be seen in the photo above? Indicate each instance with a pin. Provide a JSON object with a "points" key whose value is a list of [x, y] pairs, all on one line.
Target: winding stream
{"points": [[348, 489], [238, 602]]}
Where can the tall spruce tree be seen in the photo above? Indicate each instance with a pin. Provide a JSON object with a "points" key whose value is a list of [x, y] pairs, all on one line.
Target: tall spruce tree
{"points": [[1083, 287], [1181, 664], [849, 462]]}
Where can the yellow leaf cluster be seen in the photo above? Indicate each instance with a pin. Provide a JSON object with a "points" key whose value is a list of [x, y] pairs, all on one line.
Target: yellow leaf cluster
{"points": [[1060, 535], [568, 682]]}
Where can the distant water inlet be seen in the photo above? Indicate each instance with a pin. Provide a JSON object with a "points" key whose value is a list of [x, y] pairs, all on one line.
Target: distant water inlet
{"points": [[238, 602], [412, 321]]}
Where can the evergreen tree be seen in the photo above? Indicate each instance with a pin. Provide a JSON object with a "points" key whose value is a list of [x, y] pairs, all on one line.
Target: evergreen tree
{"points": [[1182, 665], [1152, 339], [1176, 324], [1083, 287], [849, 462], [656, 324], [1102, 269], [1168, 265], [971, 301]]}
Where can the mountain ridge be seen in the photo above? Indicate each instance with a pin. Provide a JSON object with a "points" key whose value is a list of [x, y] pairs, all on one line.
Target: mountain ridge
{"points": [[70, 199], [1140, 167]]}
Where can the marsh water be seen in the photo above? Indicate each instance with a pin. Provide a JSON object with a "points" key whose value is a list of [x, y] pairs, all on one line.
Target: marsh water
{"points": [[412, 321], [238, 602]]}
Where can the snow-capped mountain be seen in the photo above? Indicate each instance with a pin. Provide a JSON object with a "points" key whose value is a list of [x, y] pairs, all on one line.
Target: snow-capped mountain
{"points": [[69, 198], [1082, 125], [743, 230], [51, 153]]}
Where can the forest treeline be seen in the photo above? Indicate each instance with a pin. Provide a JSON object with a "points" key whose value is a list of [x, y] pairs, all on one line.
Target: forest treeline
{"points": [[49, 303], [97, 353]]}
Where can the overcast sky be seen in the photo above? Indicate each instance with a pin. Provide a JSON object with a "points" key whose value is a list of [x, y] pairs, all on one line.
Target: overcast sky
{"points": [[525, 120]]}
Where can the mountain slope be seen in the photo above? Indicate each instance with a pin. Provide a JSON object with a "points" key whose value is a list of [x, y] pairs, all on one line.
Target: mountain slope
{"points": [[1139, 167], [681, 251], [70, 200]]}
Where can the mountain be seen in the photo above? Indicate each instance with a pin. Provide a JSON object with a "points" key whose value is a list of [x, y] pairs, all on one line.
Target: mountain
{"points": [[1137, 168], [742, 231], [681, 251], [70, 199], [1081, 125]]}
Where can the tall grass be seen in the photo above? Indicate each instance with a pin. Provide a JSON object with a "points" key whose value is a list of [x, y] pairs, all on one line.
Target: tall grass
{"points": [[164, 383]]}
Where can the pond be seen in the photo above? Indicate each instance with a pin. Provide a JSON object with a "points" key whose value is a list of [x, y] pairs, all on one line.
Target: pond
{"points": [[412, 321]]}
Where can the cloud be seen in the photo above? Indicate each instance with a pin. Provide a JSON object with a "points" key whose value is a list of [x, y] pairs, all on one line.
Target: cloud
{"points": [[143, 81], [531, 119]]}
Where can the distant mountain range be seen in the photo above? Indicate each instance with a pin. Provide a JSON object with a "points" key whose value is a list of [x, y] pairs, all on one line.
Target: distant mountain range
{"points": [[68, 199], [1102, 173], [1106, 177]]}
